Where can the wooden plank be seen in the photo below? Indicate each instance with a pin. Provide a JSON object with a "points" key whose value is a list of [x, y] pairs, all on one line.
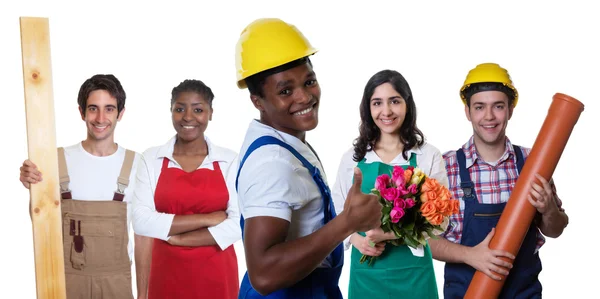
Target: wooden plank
{"points": [[41, 142]]}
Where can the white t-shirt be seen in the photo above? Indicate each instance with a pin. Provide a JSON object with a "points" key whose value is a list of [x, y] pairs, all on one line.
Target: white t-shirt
{"points": [[429, 159], [148, 222], [95, 178], [273, 182]]}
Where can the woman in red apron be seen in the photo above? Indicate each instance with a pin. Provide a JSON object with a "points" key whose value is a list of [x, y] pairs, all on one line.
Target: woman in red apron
{"points": [[183, 199]]}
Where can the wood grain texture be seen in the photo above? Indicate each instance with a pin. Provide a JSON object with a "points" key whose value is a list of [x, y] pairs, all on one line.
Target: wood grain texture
{"points": [[41, 142]]}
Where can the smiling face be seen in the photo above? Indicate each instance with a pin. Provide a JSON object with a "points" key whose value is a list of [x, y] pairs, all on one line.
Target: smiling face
{"points": [[190, 113], [101, 115], [388, 109], [489, 112], [291, 100]]}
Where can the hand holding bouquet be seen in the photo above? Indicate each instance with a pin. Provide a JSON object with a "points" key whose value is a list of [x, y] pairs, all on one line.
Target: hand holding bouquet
{"points": [[414, 207]]}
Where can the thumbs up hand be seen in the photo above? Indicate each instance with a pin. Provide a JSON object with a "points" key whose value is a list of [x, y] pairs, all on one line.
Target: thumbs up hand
{"points": [[363, 211]]}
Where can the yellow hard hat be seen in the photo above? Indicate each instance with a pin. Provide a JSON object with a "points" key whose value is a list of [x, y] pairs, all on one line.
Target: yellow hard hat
{"points": [[488, 72], [268, 43]]}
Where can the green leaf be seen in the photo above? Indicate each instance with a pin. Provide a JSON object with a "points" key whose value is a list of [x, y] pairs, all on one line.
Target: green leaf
{"points": [[385, 219], [430, 234], [411, 242], [386, 210], [397, 231]]}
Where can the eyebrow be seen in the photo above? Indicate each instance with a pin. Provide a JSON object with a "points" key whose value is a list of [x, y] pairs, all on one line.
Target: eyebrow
{"points": [[193, 104], [390, 98], [494, 103], [96, 106], [282, 84]]}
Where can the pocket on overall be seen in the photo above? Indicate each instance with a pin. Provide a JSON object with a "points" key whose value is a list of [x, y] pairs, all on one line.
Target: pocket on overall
{"points": [[479, 226], [94, 240]]}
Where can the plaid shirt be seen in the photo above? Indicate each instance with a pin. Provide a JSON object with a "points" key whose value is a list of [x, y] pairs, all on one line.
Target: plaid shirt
{"points": [[493, 184]]}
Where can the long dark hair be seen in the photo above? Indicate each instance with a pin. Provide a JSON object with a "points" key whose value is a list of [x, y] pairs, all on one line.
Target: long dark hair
{"points": [[369, 133]]}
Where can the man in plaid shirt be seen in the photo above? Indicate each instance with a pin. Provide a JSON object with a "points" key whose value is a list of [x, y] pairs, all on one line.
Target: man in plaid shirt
{"points": [[482, 174]]}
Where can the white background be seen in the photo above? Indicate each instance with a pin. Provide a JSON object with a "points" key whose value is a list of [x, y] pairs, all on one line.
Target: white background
{"points": [[547, 47]]}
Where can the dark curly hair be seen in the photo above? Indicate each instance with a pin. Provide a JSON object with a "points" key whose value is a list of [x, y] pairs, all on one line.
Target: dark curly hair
{"points": [[192, 85], [107, 82], [369, 133]]}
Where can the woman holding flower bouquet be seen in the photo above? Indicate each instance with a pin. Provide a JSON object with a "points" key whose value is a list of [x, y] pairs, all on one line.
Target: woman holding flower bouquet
{"points": [[389, 138]]}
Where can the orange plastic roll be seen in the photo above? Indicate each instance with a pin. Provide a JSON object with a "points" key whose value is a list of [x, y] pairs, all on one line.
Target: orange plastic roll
{"points": [[519, 213]]}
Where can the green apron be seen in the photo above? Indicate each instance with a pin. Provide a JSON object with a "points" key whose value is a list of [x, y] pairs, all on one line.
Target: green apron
{"points": [[396, 273]]}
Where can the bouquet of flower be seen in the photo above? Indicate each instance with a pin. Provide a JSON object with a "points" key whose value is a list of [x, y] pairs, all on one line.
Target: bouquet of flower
{"points": [[414, 206]]}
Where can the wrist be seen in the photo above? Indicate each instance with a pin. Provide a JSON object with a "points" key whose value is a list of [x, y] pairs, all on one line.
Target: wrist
{"points": [[173, 240], [347, 229], [550, 213], [466, 253]]}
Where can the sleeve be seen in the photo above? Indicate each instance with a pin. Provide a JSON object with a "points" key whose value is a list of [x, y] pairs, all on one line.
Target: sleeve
{"points": [[454, 230], [438, 168], [270, 186], [146, 220], [342, 185], [228, 232]]}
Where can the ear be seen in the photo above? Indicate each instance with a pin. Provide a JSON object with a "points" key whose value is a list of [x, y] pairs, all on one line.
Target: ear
{"points": [[257, 101], [81, 113], [510, 111], [210, 114], [121, 114], [468, 112]]}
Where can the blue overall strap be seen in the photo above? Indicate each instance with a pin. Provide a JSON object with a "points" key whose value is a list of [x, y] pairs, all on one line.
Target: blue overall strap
{"points": [[520, 160], [466, 183], [328, 207]]}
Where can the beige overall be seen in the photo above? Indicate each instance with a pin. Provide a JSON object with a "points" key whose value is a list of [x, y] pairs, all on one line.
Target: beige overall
{"points": [[95, 239]]}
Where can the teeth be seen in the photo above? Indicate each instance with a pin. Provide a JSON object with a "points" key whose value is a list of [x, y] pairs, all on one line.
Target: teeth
{"points": [[307, 110], [387, 121], [188, 127], [100, 127], [489, 127]]}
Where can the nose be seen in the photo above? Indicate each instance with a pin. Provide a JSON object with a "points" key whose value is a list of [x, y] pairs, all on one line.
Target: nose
{"points": [[489, 113], [100, 116], [387, 109], [304, 96], [188, 115]]}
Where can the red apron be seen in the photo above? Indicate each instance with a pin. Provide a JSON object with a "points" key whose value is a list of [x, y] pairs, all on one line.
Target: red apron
{"points": [[192, 272]]}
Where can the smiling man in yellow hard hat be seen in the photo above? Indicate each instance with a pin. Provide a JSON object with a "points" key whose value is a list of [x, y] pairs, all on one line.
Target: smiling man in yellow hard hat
{"points": [[482, 174], [292, 237]]}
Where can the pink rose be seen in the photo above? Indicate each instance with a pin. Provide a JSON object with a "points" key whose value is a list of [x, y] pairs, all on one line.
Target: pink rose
{"points": [[382, 182], [390, 194], [396, 213], [402, 191], [398, 176], [409, 203], [399, 203], [412, 189]]}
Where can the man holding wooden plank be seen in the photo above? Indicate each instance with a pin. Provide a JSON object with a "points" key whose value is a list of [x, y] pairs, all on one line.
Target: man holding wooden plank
{"points": [[96, 185]]}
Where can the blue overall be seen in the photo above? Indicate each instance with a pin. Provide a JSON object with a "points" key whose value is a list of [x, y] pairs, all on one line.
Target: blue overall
{"points": [[479, 219], [322, 283]]}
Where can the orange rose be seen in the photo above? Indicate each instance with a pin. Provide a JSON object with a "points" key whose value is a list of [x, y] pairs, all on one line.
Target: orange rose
{"points": [[428, 209], [444, 207], [429, 185], [455, 206], [444, 194], [436, 219], [408, 175], [428, 196]]}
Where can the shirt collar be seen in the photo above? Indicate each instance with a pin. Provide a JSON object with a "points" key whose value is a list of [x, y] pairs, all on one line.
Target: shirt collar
{"points": [[371, 156], [214, 154], [259, 129], [471, 156]]}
